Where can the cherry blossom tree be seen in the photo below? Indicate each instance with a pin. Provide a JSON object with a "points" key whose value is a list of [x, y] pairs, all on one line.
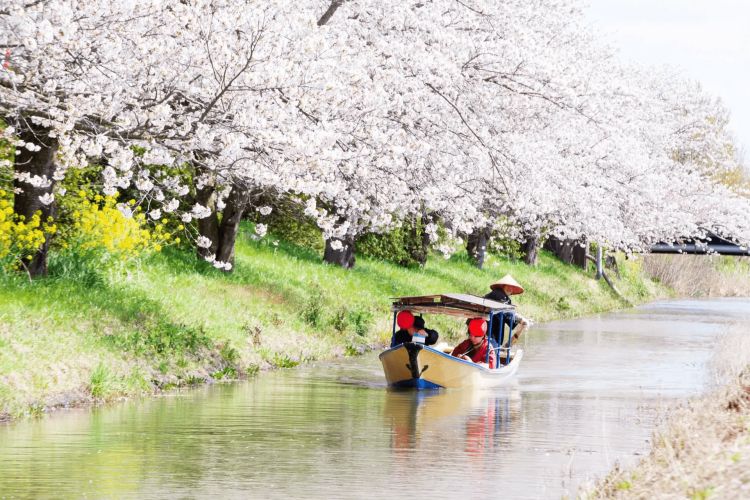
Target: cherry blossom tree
{"points": [[198, 83], [510, 118]]}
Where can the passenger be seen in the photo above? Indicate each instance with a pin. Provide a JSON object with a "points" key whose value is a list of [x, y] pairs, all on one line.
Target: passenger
{"points": [[412, 327], [431, 336], [501, 292], [475, 347]]}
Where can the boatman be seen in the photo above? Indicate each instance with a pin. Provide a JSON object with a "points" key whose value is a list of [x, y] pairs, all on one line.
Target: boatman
{"points": [[413, 330], [503, 289], [501, 292]]}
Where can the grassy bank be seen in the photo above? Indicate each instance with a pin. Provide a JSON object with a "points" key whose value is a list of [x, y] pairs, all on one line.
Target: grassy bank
{"points": [[173, 321], [703, 448]]}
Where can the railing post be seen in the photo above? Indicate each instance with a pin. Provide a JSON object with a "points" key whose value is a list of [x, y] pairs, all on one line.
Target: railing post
{"points": [[489, 339], [599, 270], [393, 329], [510, 336]]}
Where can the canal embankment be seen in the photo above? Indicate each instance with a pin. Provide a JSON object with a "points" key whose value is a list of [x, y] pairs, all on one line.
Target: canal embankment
{"points": [[702, 447]]}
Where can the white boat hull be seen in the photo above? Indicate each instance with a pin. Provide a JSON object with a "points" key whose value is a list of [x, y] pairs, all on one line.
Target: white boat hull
{"points": [[422, 367]]}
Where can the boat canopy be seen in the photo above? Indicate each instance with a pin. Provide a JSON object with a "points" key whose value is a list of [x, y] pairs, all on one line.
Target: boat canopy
{"points": [[453, 304]]}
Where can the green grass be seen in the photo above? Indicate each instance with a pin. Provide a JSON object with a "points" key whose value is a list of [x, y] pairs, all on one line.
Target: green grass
{"points": [[175, 320]]}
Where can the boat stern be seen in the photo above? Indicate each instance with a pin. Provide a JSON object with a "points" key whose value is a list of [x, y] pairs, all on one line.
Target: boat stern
{"points": [[403, 368]]}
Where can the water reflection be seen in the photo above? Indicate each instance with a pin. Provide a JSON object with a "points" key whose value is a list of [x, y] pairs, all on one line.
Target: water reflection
{"points": [[418, 416]]}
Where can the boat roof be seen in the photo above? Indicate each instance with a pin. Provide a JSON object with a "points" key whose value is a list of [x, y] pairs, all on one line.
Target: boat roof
{"points": [[454, 304]]}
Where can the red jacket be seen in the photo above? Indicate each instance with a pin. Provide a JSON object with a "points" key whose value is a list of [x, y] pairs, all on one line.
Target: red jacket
{"points": [[477, 354]]}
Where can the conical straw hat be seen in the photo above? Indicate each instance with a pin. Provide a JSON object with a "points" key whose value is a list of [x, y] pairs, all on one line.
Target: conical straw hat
{"points": [[512, 286]]}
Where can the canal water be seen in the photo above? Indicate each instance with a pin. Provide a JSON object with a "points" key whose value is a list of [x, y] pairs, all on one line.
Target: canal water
{"points": [[587, 396]]}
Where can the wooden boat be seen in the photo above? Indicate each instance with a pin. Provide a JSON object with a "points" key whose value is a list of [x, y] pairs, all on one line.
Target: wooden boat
{"points": [[419, 366]]}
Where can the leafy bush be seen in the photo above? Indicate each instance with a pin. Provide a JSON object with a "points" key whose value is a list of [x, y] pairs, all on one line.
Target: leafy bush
{"points": [[230, 359], [340, 319], [100, 381], [288, 221], [562, 304], [357, 319], [507, 247], [312, 310], [103, 226], [162, 339], [277, 359], [229, 354], [402, 245], [361, 319], [100, 235]]}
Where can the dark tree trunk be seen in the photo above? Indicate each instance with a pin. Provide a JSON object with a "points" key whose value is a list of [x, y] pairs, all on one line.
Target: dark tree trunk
{"points": [[223, 234], [563, 249], [426, 219], [580, 250], [568, 251], [26, 203], [231, 217], [476, 246], [530, 248], [208, 226], [343, 257]]}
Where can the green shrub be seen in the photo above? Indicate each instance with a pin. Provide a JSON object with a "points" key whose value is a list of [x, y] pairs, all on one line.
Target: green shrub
{"points": [[162, 339], [226, 373], [229, 354], [71, 264], [340, 319], [402, 245], [137, 382], [562, 304], [283, 361], [288, 221], [100, 381], [312, 310], [36, 409], [361, 320], [389, 246]]}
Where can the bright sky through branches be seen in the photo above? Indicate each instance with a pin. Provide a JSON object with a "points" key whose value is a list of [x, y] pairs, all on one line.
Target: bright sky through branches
{"points": [[707, 39]]}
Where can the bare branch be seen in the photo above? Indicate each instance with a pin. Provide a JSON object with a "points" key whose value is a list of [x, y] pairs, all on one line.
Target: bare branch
{"points": [[328, 14]]}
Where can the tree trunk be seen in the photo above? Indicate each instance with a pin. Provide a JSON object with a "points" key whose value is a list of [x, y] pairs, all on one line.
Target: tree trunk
{"points": [[476, 246], [580, 250], [563, 249], [231, 217], [568, 251], [223, 234], [343, 257], [530, 248], [426, 219], [26, 203], [208, 226]]}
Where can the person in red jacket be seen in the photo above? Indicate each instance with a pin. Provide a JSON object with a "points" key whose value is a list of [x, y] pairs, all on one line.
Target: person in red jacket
{"points": [[475, 347]]}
